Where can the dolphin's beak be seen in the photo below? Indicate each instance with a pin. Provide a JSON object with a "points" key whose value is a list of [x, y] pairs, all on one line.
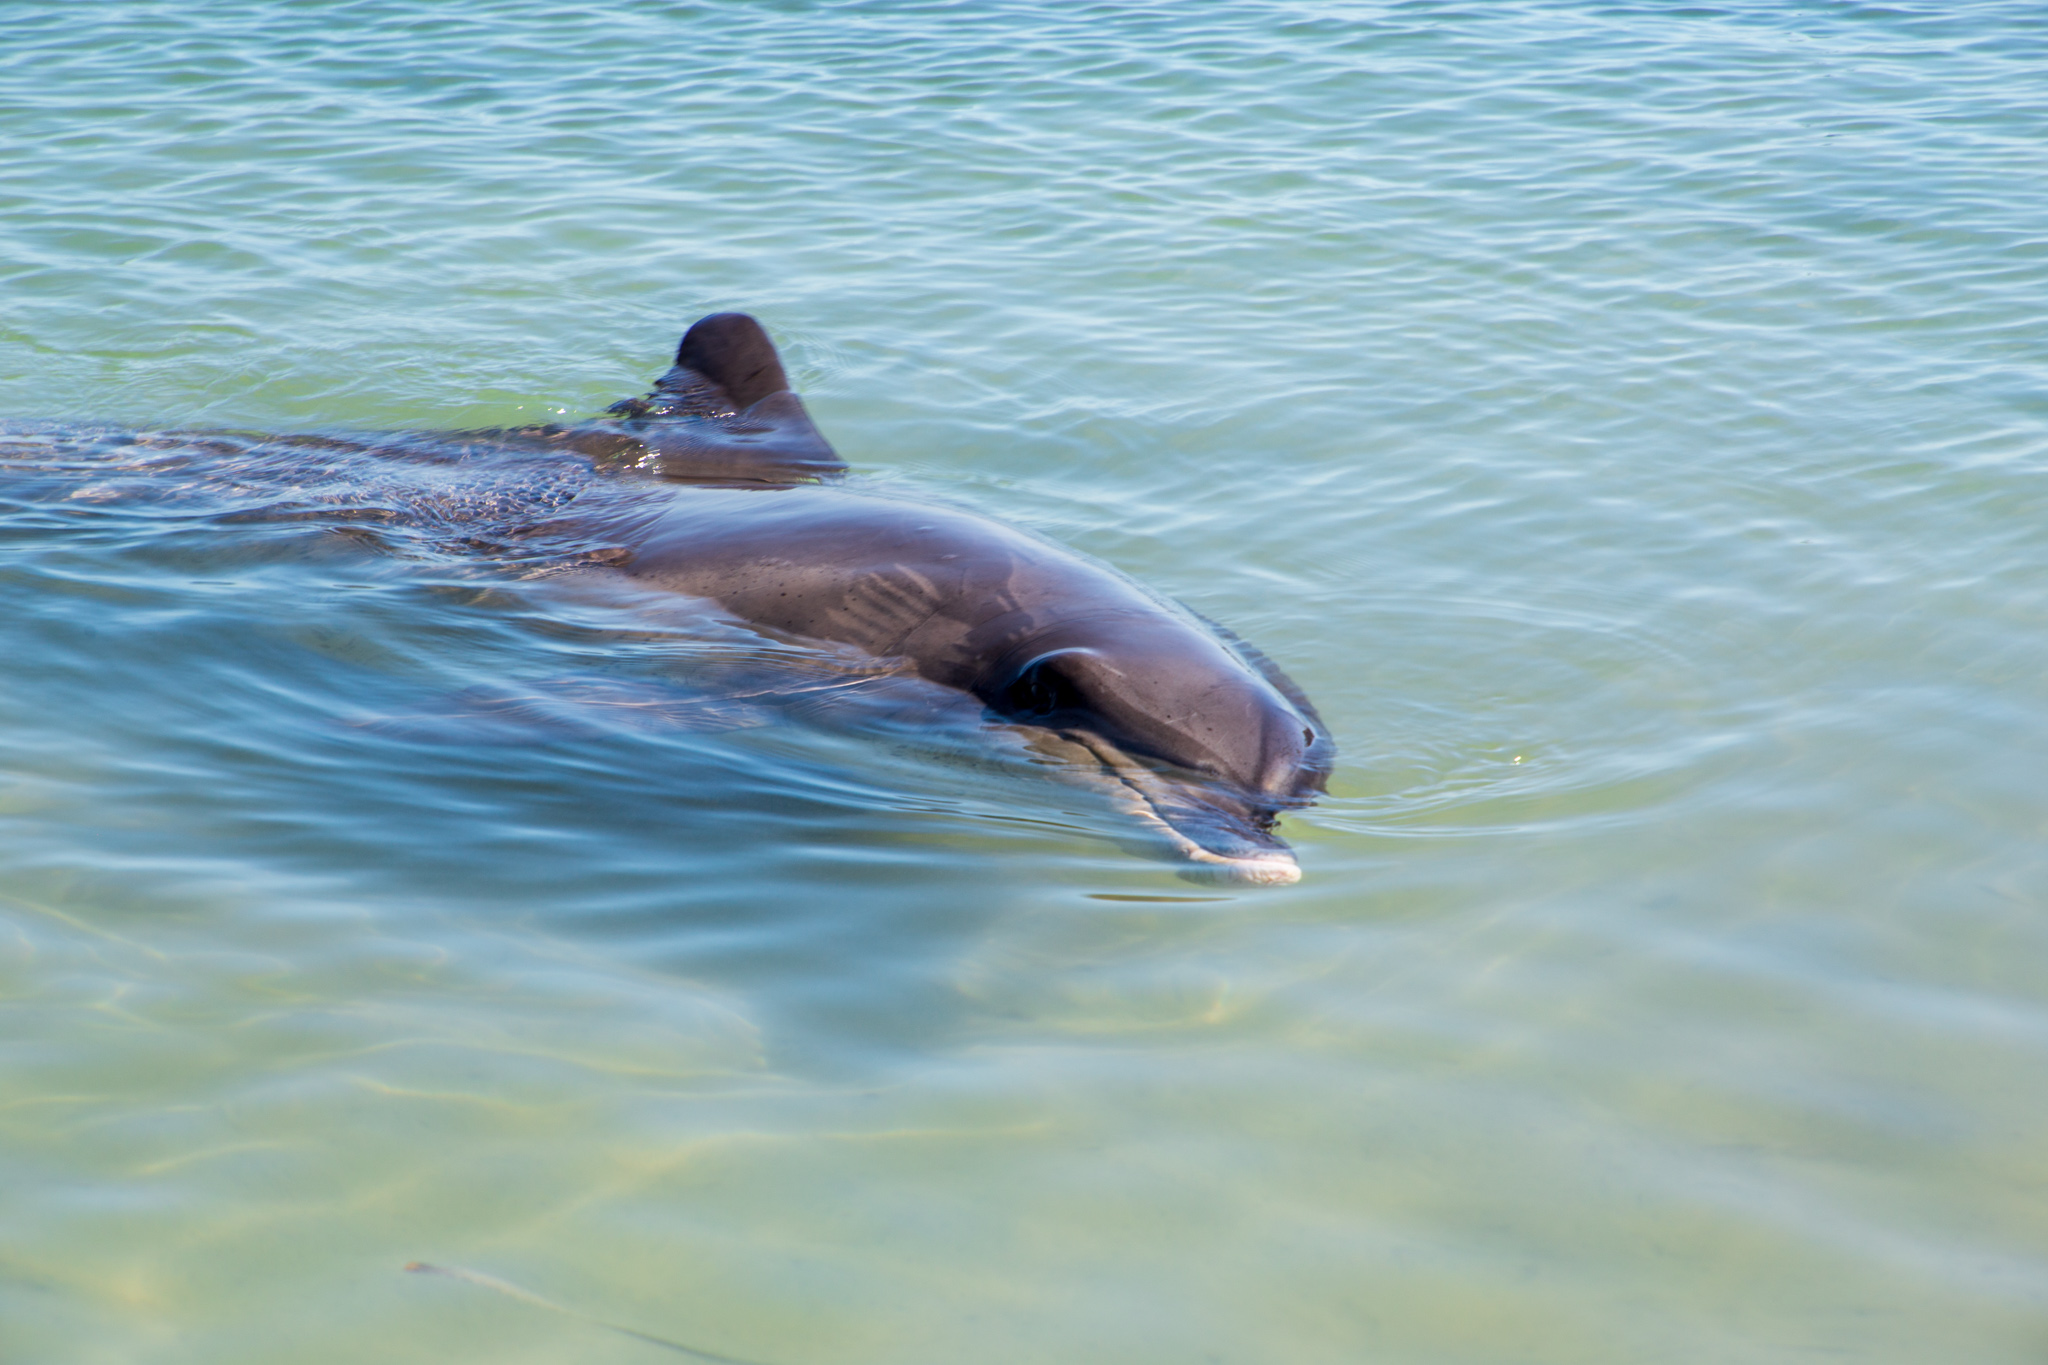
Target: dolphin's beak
{"points": [[1277, 871], [1276, 868], [1221, 835], [1220, 841]]}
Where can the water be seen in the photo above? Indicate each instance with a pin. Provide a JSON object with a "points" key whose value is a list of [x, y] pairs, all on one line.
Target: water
{"points": [[1625, 420]]}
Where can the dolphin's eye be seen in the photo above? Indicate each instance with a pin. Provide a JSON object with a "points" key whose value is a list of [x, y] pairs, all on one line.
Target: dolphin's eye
{"points": [[1040, 691]]}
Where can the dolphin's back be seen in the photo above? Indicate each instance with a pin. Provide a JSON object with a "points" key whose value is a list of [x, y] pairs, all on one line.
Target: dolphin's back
{"points": [[884, 575]]}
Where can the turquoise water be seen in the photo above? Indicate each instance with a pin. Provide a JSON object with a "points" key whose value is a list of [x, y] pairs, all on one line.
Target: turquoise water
{"points": [[1625, 420]]}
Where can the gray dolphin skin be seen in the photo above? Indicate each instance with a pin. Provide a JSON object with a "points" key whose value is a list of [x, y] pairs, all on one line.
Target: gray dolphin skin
{"points": [[1204, 736]]}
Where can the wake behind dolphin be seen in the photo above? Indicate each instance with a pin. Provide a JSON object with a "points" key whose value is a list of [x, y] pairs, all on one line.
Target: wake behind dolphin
{"points": [[716, 491]]}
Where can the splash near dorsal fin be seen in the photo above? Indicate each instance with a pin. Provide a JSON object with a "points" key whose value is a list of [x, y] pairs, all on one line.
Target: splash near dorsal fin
{"points": [[726, 411]]}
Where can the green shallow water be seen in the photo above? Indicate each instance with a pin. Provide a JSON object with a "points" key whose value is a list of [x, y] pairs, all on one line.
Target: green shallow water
{"points": [[1625, 420]]}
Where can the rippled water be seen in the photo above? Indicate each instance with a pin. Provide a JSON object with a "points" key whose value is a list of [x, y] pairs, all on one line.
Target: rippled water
{"points": [[1625, 420]]}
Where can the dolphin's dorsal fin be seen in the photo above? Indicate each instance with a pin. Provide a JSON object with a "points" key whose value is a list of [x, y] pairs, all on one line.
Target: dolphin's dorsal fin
{"points": [[733, 352], [726, 411]]}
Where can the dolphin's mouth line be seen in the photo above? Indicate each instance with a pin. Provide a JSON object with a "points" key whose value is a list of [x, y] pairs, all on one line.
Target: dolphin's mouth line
{"points": [[1275, 868]]}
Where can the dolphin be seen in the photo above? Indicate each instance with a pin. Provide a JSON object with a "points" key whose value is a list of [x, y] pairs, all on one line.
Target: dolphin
{"points": [[1204, 736]]}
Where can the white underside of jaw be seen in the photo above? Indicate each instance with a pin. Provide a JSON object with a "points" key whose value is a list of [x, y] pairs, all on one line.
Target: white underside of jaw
{"points": [[1276, 868], [1271, 869]]}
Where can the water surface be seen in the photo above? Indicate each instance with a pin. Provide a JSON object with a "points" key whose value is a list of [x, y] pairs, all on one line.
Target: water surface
{"points": [[1624, 420]]}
